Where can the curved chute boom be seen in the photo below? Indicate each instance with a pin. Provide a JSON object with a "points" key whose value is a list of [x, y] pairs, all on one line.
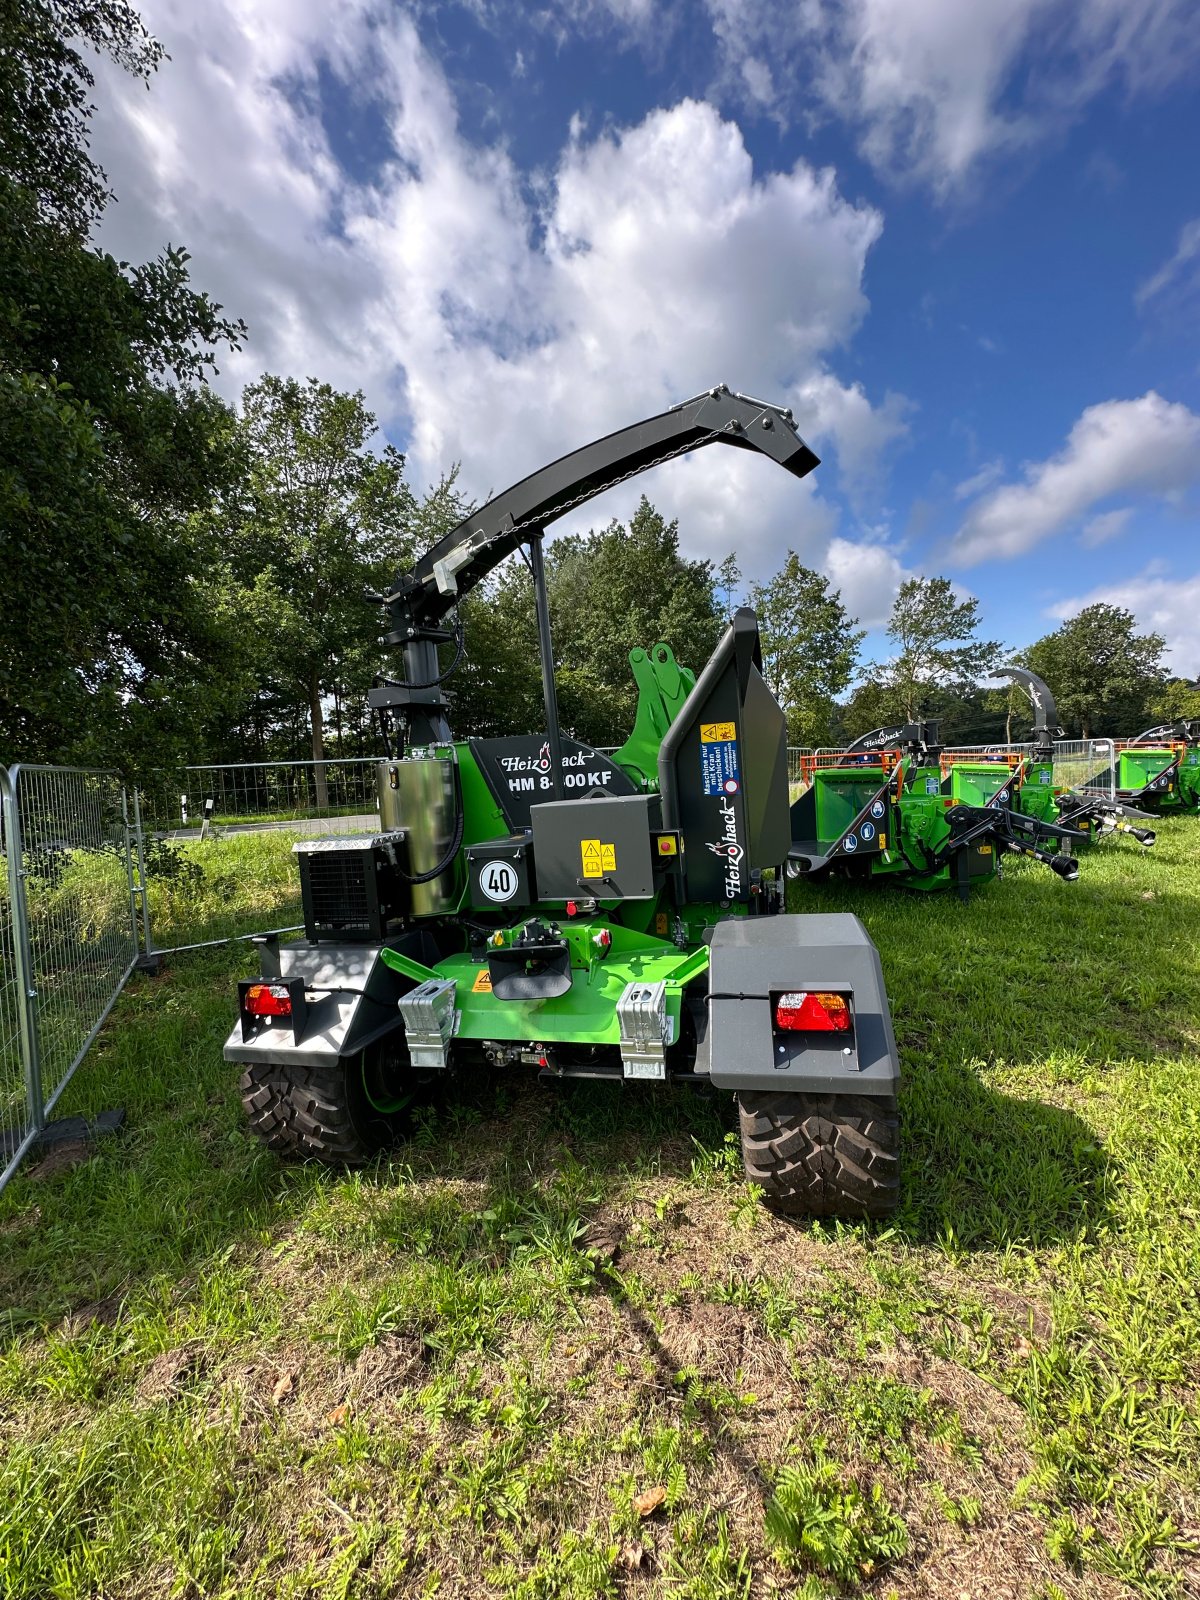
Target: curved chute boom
{"points": [[463, 557], [1046, 727], [421, 599]]}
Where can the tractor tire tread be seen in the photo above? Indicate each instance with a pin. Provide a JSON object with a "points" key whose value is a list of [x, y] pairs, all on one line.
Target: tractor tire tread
{"points": [[822, 1155], [303, 1113]]}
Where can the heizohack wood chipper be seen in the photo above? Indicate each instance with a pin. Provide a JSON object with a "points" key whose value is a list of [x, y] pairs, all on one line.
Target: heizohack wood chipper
{"points": [[541, 907]]}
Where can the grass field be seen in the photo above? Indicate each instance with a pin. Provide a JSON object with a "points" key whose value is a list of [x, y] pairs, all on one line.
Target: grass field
{"points": [[553, 1347]]}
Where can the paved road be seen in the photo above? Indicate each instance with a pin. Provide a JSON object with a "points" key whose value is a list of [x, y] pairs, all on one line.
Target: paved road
{"points": [[367, 822]]}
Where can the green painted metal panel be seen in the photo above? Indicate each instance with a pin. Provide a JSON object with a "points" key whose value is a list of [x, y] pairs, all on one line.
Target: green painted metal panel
{"points": [[973, 783], [841, 793], [1138, 767]]}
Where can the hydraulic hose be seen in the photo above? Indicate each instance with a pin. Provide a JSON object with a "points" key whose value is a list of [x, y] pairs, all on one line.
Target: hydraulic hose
{"points": [[431, 683], [455, 844]]}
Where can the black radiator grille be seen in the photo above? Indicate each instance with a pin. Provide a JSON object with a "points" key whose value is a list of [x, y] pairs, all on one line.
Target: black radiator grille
{"points": [[338, 894]]}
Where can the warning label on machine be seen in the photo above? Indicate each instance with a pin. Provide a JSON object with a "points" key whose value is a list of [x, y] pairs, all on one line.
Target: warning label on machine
{"points": [[719, 771], [598, 858]]}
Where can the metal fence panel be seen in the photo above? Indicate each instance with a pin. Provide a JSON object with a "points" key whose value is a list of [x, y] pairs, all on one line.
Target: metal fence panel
{"points": [[69, 933], [75, 855], [16, 1125], [795, 756], [1088, 765], [225, 871], [260, 794]]}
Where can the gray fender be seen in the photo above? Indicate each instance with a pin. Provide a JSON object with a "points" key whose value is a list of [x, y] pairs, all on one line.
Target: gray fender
{"points": [[352, 1002], [753, 957]]}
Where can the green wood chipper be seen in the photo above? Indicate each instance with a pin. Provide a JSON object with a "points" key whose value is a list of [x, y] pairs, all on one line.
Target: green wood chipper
{"points": [[535, 905]]}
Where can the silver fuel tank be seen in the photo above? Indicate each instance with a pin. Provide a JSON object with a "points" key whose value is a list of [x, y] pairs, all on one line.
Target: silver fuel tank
{"points": [[418, 794]]}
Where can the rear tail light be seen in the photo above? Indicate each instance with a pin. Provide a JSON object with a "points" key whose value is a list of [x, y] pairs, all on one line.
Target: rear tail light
{"points": [[803, 1012], [268, 1000]]}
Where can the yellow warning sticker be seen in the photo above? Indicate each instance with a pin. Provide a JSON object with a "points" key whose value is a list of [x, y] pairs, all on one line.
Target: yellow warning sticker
{"points": [[660, 923], [883, 841], [984, 849], [717, 732], [483, 982], [598, 857]]}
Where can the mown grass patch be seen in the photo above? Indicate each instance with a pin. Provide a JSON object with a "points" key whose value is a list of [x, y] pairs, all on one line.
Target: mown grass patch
{"points": [[551, 1347]]}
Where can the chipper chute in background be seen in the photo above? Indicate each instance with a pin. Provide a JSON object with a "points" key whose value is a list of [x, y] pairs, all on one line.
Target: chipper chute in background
{"points": [[1035, 781], [535, 905]]}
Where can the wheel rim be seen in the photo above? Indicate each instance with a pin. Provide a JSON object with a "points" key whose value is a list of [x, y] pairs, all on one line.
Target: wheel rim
{"points": [[380, 1096]]}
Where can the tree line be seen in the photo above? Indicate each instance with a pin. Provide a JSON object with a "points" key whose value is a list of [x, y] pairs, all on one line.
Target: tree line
{"points": [[184, 580]]}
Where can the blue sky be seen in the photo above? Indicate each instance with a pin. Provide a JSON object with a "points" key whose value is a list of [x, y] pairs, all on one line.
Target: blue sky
{"points": [[961, 241]]}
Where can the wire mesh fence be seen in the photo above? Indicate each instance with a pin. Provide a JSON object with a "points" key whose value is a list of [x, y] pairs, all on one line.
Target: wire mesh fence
{"points": [[217, 843], [14, 1122], [1087, 765], [227, 885], [70, 933], [797, 769], [258, 794]]}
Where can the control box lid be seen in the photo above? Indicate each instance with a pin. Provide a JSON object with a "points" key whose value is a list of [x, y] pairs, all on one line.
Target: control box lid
{"points": [[601, 847]]}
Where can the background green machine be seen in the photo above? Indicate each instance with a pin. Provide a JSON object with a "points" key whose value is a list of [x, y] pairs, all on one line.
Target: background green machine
{"points": [[533, 904], [881, 811], [1030, 781], [1159, 769]]}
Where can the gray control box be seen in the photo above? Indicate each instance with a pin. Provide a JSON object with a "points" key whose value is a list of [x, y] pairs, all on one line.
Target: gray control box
{"points": [[600, 848]]}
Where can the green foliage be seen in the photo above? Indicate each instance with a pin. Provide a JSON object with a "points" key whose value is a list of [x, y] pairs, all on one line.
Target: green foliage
{"points": [[108, 439], [1178, 699], [610, 591], [937, 651], [320, 518], [498, 687], [45, 89], [815, 1518], [727, 583], [1105, 677], [810, 646]]}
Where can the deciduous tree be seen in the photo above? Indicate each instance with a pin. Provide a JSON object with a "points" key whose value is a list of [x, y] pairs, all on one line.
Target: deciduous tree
{"points": [[109, 440], [810, 647], [1104, 675], [612, 590], [937, 647], [322, 519]]}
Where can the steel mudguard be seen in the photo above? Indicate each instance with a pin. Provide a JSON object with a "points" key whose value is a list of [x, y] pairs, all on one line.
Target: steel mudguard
{"points": [[353, 1003], [751, 958]]}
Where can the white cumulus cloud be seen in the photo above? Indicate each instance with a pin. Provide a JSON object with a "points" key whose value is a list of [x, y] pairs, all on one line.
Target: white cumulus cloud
{"points": [[868, 575], [493, 316], [1149, 446], [935, 86], [1161, 604]]}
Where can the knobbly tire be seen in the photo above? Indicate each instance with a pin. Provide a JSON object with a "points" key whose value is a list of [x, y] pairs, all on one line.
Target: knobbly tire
{"points": [[342, 1114], [822, 1155]]}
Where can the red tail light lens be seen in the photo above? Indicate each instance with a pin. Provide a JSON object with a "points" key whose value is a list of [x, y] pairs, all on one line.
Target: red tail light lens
{"points": [[268, 1000], [802, 1012]]}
